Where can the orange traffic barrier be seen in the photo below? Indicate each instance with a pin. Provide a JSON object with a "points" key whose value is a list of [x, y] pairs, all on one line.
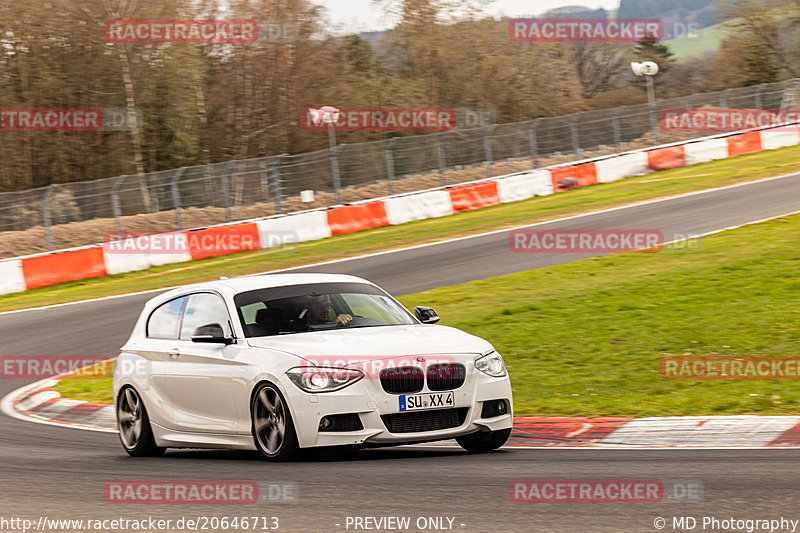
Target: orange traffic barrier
{"points": [[666, 158], [474, 196], [222, 240], [357, 217], [71, 265], [744, 143], [573, 176]]}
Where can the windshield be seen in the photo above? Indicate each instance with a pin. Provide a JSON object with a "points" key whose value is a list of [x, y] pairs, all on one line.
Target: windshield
{"points": [[317, 307]]}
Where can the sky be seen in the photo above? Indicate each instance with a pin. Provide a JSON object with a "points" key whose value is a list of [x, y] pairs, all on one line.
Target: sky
{"points": [[352, 16]]}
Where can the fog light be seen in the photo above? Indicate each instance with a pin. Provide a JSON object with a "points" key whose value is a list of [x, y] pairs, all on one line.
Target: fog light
{"points": [[501, 407], [325, 423]]}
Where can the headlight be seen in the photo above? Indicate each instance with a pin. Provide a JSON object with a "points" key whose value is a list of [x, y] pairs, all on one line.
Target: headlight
{"points": [[323, 379], [491, 364]]}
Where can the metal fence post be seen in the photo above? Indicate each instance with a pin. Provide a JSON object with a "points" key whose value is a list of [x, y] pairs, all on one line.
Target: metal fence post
{"points": [[573, 125], [653, 112], [48, 232], [690, 106], [275, 178], [115, 208], [389, 152], [442, 157], [616, 128], [723, 99], [176, 197], [788, 99], [337, 180], [487, 147], [758, 99], [226, 189], [534, 140]]}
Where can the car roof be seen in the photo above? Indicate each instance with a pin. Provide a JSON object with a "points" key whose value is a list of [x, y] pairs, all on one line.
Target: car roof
{"points": [[263, 281]]}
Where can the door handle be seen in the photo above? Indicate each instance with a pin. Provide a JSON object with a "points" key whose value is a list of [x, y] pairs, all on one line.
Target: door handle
{"points": [[174, 353]]}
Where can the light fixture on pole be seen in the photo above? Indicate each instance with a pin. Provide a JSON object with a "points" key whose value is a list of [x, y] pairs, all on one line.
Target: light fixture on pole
{"points": [[648, 69], [326, 115], [330, 116]]}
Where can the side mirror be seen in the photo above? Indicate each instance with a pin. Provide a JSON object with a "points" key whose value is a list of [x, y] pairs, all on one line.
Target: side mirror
{"points": [[426, 315], [211, 333]]}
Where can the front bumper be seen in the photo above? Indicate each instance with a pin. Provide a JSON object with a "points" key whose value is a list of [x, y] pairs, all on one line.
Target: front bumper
{"points": [[368, 399]]}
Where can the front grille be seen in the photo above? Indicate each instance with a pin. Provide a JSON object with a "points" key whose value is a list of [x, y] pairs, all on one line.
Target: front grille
{"points": [[344, 422], [494, 408], [425, 420], [446, 376], [402, 380]]}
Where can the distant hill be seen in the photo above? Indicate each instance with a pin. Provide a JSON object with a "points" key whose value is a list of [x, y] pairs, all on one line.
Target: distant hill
{"points": [[678, 15], [576, 12], [699, 43], [675, 14]]}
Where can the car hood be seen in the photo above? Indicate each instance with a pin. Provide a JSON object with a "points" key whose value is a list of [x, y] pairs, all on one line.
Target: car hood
{"points": [[364, 344]]}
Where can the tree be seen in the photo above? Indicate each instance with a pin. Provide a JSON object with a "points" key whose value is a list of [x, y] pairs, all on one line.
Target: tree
{"points": [[652, 50], [764, 38]]}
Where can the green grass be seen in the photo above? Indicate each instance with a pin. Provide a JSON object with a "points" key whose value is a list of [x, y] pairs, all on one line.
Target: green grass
{"points": [[699, 42], [93, 384], [586, 338], [631, 190]]}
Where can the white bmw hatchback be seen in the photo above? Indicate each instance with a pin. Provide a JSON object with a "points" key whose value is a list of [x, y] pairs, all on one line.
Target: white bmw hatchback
{"points": [[279, 362]]}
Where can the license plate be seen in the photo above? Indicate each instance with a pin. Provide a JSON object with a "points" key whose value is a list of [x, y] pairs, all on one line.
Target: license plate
{"points": [[431, 400]]}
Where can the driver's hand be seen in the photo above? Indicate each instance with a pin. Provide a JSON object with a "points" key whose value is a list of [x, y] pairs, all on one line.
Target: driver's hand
{"points": [[344, 319]]}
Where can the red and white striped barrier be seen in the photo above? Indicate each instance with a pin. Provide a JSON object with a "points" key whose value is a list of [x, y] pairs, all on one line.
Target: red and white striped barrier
{"points": [[41, 402], [30, 272]]}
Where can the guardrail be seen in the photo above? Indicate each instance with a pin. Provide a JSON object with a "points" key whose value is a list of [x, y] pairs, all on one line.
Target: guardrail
{"points": [[41, 270], [237, 190]]}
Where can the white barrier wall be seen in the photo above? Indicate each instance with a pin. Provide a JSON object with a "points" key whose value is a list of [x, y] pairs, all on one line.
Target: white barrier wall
{"points": [[617, 168], [309, 226], [418, 207], [48, 269], [704, 151], [779, 139], [522, 186], [11, 277]]}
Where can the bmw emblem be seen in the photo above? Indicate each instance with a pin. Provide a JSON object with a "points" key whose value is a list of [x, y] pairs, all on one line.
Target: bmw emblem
{"points": [[420, 359]]}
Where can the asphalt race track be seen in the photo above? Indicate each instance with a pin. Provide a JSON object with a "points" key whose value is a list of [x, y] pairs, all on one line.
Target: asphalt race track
{"points": [[61, 472]]}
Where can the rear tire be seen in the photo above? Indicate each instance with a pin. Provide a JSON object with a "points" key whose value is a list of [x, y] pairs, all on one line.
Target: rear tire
{"points": [[484, 441], [273, 430], [135, 432]]}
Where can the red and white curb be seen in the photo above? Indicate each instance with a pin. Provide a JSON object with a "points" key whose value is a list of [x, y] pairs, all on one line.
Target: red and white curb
{"points": [[39, 402]]}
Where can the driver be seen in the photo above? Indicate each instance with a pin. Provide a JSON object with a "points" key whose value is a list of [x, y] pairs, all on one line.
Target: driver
{"points": [[317, 309]]}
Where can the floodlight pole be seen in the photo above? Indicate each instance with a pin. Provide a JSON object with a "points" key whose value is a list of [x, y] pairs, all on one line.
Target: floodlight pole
{"points": [[331, 135], [650, 92], [651, 99]]}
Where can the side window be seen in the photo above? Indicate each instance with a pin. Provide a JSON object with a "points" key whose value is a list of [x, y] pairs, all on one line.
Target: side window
{"points": [[204, 308], [249, 312], [165, 321]]}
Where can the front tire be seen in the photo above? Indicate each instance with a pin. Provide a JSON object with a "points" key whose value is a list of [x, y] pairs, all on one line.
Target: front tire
{"points": [[485, 441], [135, 432], [273, 430]]}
